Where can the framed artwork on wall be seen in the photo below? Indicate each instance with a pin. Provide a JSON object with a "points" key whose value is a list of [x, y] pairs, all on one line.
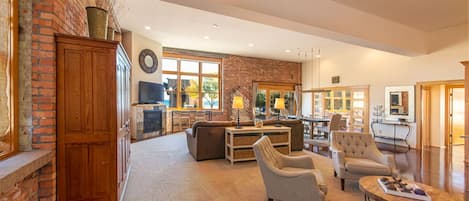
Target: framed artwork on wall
{"points": [[400, 103], [8, 77]]}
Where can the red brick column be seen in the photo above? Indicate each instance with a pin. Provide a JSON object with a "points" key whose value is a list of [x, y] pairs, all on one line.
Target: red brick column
{"points": [[43, 91]]}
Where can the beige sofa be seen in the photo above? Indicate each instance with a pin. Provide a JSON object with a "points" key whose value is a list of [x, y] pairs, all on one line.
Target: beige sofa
{"points": [[355, 155], [286, 177]]}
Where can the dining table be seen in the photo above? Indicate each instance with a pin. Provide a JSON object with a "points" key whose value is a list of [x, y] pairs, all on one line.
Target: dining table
{"points": [[315, 122]]}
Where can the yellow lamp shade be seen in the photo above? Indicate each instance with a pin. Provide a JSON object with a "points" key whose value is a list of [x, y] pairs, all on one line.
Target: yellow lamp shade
{"points": [[238, 102], [279, 103]]}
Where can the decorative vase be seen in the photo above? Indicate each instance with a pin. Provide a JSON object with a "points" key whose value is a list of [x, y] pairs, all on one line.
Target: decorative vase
{"points": [[110, 33], [97, 22]]}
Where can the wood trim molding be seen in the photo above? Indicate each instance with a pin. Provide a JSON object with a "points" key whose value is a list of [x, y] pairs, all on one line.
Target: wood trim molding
{"points": [[466, 128], [12, 58], [14, 77], [418, 115], [447, 111], [336, 88], [440, 82], [176, 52]]}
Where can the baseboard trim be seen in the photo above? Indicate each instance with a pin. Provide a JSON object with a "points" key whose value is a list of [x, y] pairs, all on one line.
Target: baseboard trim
{"points": [[125, 185]]}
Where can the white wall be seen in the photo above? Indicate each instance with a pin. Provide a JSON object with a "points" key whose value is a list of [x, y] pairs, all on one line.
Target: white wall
{"points": [[139, 43], [378, 69], [134, 43]]}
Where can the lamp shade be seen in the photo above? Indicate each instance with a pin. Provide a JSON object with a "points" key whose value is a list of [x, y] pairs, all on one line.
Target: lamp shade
{"points": [[238, 102], [279, 103]]}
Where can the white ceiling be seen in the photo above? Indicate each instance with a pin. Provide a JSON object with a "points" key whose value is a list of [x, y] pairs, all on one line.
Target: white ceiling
{"points": [[183, 27], [426, 15]]}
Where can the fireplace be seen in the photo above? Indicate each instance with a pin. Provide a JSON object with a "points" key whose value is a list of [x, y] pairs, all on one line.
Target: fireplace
{"points": [[149, 120], [152, 120]]}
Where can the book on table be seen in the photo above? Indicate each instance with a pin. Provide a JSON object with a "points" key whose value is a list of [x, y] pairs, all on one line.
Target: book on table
{"points": [[398, 187]]}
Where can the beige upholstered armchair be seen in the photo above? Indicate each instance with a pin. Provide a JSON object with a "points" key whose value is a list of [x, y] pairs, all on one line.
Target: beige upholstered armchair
{"points": [[356, 155], [288, 178]]}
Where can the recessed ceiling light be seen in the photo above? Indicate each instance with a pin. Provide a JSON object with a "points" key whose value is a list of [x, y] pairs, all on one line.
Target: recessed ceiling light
{"points": [[206, 37], [215, 26], [147, 27], [251, 45], [287, 51]]}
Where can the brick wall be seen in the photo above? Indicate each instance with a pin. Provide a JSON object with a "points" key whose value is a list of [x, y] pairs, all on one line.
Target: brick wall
{"points": [[26, 190], [50, 17], [239, 73]]}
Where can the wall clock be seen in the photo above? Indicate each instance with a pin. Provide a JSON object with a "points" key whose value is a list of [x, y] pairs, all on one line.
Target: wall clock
{"points": [[148, 61]]}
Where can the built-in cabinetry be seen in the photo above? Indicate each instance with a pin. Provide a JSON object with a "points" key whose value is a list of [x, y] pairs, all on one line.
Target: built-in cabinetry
{"points": [[93, 149], [239, 142]]}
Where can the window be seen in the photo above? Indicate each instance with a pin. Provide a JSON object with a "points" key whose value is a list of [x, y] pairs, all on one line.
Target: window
{"points": [[350, 102], [191, 82], [8, 78], [267, 93]]}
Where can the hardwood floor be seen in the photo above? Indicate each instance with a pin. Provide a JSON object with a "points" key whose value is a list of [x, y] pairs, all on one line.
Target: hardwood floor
{"points": [[441, 168]]}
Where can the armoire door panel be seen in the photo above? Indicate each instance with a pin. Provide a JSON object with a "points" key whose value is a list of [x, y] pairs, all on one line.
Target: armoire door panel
{"points": [[73, 81], [104, 92], [76, 174], [119, 96], [100, 164]]}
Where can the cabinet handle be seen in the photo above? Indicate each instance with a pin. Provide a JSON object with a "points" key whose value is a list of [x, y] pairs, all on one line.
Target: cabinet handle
{"points": [[465, 136]]}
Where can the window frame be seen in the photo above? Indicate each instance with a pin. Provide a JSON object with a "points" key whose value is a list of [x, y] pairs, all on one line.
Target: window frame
{"points": [[12, 60], [200, 75], [352, 116]]}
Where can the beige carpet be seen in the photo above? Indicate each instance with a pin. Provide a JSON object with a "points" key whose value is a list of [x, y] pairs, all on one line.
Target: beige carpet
{"points": [[163, 170]]}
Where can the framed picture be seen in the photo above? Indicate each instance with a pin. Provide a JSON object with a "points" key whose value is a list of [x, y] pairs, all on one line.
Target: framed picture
{"points": [[8, 77]]}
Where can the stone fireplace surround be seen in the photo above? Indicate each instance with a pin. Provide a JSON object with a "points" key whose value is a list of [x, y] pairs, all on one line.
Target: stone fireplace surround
{"points": [[138, 123]]}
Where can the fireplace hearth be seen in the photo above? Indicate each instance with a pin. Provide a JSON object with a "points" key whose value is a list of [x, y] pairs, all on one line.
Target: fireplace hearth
{"points": [[149, 120], [152, 120]]}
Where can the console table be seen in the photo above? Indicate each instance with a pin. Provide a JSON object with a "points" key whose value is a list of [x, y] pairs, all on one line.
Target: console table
{"points": [[394, 124], [239, 142]]}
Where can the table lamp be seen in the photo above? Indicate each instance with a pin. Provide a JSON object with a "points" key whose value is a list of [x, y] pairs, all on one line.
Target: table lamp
{"points": [[238, 104], [279, 105]]}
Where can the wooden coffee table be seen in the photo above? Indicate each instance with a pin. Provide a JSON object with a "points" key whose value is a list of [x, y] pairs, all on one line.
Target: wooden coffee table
{"points": [[371, 189]]}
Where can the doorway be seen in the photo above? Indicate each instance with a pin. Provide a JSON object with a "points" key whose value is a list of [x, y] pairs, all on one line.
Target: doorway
{"points": [[266, 94], [440, 115], [455, 115], [440, 123]]}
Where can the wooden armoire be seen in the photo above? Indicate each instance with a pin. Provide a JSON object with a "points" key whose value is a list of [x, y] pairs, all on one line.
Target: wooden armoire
{"points": [[93, 101]]}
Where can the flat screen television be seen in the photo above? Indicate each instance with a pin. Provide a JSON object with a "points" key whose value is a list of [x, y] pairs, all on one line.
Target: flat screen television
{"points": [[150, 93]]}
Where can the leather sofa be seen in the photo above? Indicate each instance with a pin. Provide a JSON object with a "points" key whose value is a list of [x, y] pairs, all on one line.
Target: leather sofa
{"points": [[206, 139]]}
